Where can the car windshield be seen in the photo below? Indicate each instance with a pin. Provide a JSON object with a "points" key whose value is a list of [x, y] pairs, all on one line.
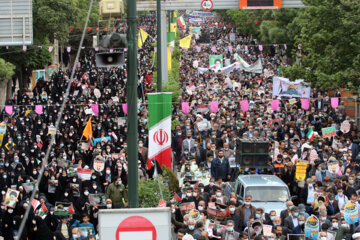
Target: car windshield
{"points": [[268, 194]]}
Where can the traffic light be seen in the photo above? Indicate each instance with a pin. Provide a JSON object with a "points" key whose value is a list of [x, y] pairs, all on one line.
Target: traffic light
{"points": [[107, 59]]}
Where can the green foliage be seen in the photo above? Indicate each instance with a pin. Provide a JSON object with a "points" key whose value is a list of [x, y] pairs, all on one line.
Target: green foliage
{"points": [[33, 58], [330, 38], [274, 26], [169, 175], [54, 17], [149, 193], [6, 70]]}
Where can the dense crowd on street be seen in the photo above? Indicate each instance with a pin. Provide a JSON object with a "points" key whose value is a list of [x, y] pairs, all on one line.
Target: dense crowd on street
{"points": [[197, 152]]}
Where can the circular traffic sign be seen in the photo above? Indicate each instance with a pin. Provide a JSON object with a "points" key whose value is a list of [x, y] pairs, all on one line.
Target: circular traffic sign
{"points": [[207, 5], [136, 226]]}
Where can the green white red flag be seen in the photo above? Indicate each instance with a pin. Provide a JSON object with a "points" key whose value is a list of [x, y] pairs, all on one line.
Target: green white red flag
{"points": [[310, 134], [181, 22], [160, 128]]}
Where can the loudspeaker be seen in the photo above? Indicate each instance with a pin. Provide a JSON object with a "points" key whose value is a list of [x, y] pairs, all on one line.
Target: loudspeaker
{"points": [[116, 59], [252, 153]]}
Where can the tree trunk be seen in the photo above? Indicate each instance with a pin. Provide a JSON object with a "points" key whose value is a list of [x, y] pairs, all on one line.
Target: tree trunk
{"points": [[3, 85], [9, 89]]}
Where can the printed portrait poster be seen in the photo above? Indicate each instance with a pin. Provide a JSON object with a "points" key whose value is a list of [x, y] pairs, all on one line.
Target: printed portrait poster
{"points": [[351, 215], [312, 227], [216, 62], [11, 198]]}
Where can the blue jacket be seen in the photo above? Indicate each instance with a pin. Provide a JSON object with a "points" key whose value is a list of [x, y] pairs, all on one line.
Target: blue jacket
{"points": [[220, 169]]}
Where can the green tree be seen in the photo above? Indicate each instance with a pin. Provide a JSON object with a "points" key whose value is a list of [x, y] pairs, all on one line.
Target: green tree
{"points": [[53, 18], [6, 70], [149, 193], [330, 40]]}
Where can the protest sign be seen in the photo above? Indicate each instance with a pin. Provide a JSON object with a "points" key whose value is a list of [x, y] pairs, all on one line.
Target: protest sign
{"points": [[121, 121], [2, 132], [232, 162], [84, 174], [11, 198], [312, 227], [292, 101], [219, 227], [187, 206], [328, 132], [28, 187], [267, 230], [99, 163], [351, 214], [85, 231], [71, 172], [203, 126], [97, 199], [75, 189], [313, 156], [300, 173], [52, 186], [284, 87], [63, 209], [333, 166], [345, 126], [51, 130], [216, 62]]}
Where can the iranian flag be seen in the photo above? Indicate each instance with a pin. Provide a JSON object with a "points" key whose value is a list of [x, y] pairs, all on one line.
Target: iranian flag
{"points": [[181, 22], [310, 134], [43, 210], [160, 128]]}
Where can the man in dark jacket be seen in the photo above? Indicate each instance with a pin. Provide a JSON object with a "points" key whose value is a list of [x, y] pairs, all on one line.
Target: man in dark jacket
{"points": [[220, 167]]}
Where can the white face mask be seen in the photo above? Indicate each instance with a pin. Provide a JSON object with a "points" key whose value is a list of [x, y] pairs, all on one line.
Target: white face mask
{"points": [[335, 225], [109, 205], [66, 194], [194, 194], [189, 194], [247, 203], [232, 210], [86, 193], [200, 208], [10, 210], [108, 171], [218, 194]]}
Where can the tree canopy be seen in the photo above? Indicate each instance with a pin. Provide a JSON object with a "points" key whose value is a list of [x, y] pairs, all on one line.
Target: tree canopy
{"points": [[6, 70]]}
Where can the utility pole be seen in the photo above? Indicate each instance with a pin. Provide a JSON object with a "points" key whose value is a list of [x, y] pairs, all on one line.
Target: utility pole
{"points": [[159, 67], [132, 121]]}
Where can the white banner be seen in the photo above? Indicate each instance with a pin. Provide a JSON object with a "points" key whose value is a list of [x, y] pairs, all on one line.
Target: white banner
{"points": [[284, 87], [242, 65]]}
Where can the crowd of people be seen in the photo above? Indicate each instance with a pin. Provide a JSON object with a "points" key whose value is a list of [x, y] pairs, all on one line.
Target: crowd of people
{"points": [[200, 154]]}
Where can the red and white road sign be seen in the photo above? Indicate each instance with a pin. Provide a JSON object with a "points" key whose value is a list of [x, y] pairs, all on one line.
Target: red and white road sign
{"points": [[136, 228], [207, 5]]}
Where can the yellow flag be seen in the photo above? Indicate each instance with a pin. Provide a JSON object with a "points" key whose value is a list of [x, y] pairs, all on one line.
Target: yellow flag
{"points": [[169, 58], [142, 37], [173, 27], [88, 130], [185, 42]]}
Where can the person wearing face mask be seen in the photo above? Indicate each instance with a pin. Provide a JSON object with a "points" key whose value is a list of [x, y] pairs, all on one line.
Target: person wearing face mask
{"points": [[189, 196], [292, 220], [220, 167], [117, 193], [229, 233], [191, 226], [333, 205], [143, 153], [246, 211], [299, 229], [176, 217], [341, 198], [234, 216]]}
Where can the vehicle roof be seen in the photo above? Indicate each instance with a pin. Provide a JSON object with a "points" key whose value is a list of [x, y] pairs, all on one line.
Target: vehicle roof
{"points": [[261, 180]]}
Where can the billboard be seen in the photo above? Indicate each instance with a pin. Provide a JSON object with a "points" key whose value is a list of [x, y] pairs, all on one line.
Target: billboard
{"points": [[16, 23]]}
